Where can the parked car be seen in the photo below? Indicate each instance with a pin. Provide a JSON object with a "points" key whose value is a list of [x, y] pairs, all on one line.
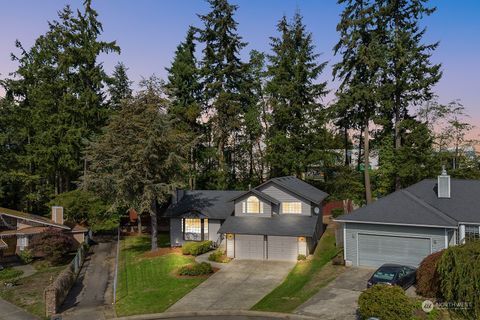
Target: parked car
{"points": [[394, 274]]}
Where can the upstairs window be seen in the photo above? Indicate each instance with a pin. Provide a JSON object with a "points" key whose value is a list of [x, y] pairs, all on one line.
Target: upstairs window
{"points": [[291, 207], [253, 205]]}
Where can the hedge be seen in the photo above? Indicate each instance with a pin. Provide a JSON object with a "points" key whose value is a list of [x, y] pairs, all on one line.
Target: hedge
{"points": [[385, 302], [428, 278], [196, 269], [196, 248], [218, 256]]}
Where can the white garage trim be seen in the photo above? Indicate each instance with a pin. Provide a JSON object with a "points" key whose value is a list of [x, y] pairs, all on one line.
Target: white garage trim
{"points": [[357, 235]]}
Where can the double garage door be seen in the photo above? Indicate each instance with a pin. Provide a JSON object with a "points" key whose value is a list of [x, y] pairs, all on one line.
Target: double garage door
{"points": [[375, 250], [253, 247]]}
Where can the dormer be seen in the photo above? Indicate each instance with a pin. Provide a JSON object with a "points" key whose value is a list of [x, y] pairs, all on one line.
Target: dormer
{"points": [[254, 203]]}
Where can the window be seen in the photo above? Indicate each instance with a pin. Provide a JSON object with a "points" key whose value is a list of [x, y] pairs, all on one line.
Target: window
{"points": [[472, 232], [23, 242], [192, 229], [291, 207], [253, 205]]}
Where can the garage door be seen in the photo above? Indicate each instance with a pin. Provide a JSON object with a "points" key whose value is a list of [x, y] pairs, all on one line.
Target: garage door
{"points": [[375, 250], [282, 248], [249, 247]]}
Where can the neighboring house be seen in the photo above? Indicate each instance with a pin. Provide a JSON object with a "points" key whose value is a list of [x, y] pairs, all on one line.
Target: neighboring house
{"points": [[407, 225], [278, 220], [18, 228]]}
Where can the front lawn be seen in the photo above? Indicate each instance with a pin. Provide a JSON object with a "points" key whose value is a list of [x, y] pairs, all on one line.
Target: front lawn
{"points": [[306, 278], [148, 283], [28, 293]]}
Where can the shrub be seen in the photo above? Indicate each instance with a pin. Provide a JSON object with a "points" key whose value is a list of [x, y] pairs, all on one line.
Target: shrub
{"points": [[10, 273], [218, 256], [196, 269], [459, 270], [385, 302], [336, 212], [196, 248], [301, 257], [428, 278], [53, 245], [26, 256], [338, 260]]}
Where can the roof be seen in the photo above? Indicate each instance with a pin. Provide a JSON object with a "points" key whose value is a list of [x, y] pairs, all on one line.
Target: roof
{"points": [[260, 194], [277, 225], [213, 204], [419, 205], [31, 217], [300, 187], [24, 231]]}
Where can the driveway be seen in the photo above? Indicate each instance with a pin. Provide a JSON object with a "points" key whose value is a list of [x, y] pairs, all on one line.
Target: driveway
{"points": [[237, 286], [86, 299], [338, 300], [9, 311]]}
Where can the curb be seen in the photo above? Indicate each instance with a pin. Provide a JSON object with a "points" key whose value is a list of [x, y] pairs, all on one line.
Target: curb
{"points": [[173, 315]]}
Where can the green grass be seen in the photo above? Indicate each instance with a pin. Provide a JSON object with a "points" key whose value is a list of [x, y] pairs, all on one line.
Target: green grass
{"points": [[304, 280], [150, 285], [10, 273]]}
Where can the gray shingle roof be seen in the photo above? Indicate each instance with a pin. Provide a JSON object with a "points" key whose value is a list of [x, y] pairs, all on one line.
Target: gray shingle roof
{"points": [[213, 204], [420, 205], [299, 187], [260, 194], [277, 225]]}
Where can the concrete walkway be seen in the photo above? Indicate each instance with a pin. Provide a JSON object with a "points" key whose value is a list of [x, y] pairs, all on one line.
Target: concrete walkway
{"points": [[9, 311], [338, 300], [237, 286], [86, 299], [27, 270]]}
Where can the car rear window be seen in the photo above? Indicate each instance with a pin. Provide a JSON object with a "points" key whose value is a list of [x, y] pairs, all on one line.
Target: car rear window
{"points": [[384, 275]]}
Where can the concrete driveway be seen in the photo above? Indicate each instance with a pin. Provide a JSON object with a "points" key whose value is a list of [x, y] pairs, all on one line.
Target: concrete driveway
{"points": [[237, 286], [338, 300]]}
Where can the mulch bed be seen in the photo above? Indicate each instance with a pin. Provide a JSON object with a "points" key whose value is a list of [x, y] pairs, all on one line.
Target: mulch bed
{"points": [[161, 252]]}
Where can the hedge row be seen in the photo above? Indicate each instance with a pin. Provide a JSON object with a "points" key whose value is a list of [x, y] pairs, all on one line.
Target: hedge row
{"points": [[196, 248], [196, 269]]}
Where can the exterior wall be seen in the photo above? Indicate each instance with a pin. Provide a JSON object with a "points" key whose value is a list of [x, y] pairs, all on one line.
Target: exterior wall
{"points": [[230, 245], [79, 237], [267, 208], [213, 227], [176, 236], [283, 195], [436, 235]]}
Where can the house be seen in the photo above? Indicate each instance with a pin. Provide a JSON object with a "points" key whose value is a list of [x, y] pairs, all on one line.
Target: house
{"points": [[17, 229], [277, 220], [407, 225]]}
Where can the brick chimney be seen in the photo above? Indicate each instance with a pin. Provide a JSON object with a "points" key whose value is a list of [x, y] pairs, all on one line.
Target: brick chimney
{"points": [[57, 214]]}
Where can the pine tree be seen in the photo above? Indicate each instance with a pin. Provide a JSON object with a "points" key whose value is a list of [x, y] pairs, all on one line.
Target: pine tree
{"points": [[119, 86], [297, 133], [222, 73]]}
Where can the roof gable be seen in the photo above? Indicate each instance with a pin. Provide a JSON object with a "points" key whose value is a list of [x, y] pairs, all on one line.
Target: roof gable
{"points": [[31, 217], [259, 194]]}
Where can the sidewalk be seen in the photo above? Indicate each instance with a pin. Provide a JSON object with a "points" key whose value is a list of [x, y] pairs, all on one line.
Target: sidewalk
{"points": [[12, 312]]}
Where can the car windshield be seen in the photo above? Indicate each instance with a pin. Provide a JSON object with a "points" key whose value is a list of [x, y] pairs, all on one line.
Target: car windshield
{"points": [[384, 274]]}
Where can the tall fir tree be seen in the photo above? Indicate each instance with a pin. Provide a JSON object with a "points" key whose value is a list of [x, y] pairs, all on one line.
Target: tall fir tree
{"points": [[59, 103], [119, 86], [297, 132], [222, 74]]}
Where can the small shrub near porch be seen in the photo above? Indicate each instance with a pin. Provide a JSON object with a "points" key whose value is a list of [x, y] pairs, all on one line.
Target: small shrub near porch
{"points": [[196, 248], [219, 256], [196, 269]]}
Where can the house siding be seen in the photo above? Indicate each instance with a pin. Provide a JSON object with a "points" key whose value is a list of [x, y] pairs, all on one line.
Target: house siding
{"points": [[267, 208], [283, 195], [436, 235], [213, 227]]}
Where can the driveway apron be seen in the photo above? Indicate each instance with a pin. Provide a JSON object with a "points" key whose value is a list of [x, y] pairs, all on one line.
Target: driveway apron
{"points": [[237, 286]]}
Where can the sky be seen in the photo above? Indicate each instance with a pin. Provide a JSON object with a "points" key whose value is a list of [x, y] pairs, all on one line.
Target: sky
{"points": [[148, 32]]}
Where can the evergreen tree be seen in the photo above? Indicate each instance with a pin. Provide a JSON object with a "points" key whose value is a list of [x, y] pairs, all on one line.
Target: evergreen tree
{"points": [[58, 97], [119, 86], [222, 73], [139, 159], [297, 132]]}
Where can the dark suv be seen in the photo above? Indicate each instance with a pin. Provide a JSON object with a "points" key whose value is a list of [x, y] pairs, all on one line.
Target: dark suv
{"points": [[393, 274]]}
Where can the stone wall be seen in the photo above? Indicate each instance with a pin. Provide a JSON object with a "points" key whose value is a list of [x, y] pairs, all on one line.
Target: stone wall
{"points": [[56, 292]]}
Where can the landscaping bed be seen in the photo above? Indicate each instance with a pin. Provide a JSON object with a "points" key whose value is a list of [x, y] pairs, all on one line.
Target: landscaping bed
{"points": [[151, 284], [303, 281]]}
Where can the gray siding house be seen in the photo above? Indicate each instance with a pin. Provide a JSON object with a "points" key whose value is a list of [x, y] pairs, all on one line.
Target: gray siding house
{"points": [[407, 225], [278, 220]]}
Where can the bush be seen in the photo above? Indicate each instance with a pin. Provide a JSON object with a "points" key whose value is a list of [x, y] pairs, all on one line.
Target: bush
{"points": [[218, 256], [338, 260], [301, 257], [10, 273], [385, 302], [26, 256], [337, 212], [196, 269], [196, 248], [459, 270], [428, 278], [53, 245]]}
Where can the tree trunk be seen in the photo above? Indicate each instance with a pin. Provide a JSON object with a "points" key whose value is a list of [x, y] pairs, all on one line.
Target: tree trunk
{"points": [[366, 172], [154, 226], [139, 223], [360, 144], [398, 145], [345, 136]]}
